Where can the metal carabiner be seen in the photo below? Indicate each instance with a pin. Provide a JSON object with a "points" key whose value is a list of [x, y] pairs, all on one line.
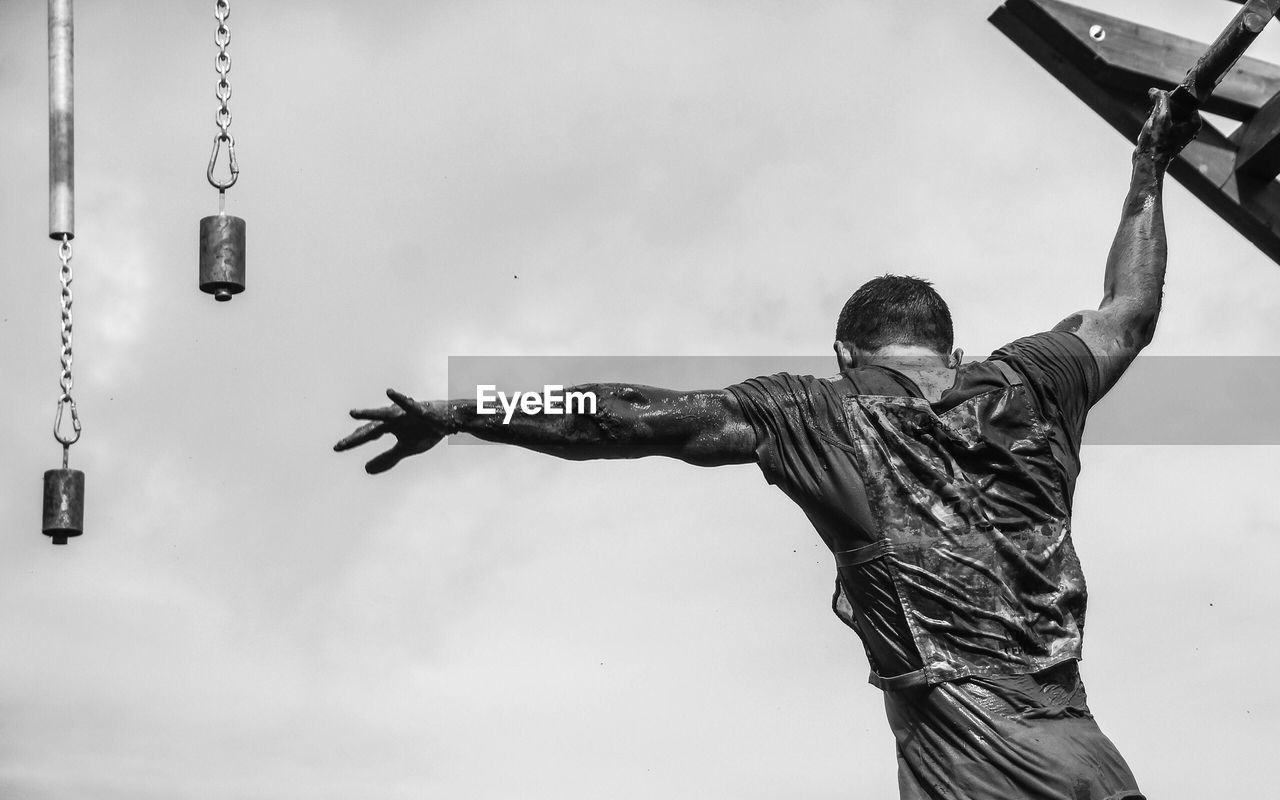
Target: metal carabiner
{"points": [[65, 441], [231, 157]]}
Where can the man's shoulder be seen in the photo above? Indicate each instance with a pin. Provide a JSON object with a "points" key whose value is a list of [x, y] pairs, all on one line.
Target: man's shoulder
{"points": [[783, 391], [1045, 346], [791, 381]]}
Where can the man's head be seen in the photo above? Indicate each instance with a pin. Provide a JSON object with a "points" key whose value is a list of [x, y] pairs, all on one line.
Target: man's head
{"points": [[895, 312]]}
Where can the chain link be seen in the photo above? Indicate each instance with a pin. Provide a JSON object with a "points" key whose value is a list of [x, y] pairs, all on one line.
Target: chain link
{"points": [[65, 382], [222, 91]]}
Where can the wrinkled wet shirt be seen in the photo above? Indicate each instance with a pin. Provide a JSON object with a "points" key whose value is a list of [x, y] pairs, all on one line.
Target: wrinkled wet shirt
{"points": [[950, 524]]}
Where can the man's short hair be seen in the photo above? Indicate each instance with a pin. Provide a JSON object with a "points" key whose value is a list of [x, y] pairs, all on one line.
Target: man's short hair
{"points": [[896, 309]]}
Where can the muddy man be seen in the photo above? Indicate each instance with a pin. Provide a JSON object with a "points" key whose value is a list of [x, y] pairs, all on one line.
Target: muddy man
{"points": [[942, 488]]}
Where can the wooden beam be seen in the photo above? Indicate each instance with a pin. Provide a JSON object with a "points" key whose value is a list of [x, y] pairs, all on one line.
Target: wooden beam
{"points": [[1206, 167], [1128, 56], [1202, 79], [1258, 141]]}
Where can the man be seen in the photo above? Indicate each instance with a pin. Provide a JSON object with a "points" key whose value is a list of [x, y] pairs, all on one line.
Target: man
{"points": [[943, 489]]}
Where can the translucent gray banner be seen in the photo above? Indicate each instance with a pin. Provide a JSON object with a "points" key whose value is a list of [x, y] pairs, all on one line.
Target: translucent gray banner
{"points": [[1164, 400]]}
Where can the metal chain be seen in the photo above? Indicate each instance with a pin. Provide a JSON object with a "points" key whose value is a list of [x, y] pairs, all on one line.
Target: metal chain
{"points": [[68, 356], [222, 64]]}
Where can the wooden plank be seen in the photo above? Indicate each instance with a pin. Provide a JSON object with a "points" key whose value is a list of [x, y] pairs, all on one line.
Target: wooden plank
{"points": [[1206, 167], [1079, 79], [1258, 142], [1250, 205], [1134, 57]]}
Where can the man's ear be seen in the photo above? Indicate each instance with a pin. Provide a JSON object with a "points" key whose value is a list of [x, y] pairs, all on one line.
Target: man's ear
{"points": [[844, 356], [957, 358]]}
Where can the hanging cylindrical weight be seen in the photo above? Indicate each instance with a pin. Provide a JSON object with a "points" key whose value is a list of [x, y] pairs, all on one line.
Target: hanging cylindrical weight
{"points": [[62, 183], [222, 256], [63, 504]]}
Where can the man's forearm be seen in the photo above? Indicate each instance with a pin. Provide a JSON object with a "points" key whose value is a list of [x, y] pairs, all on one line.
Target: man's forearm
{"points": [[615, 421], [1125, 321], [1139, 253]]}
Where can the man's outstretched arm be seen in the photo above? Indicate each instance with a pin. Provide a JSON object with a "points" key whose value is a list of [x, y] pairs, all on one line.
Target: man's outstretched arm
{"points": [[1126, 319], [706, 428]]}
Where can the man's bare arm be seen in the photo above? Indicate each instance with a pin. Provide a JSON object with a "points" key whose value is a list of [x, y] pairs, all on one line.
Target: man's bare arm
{"points": [[1125, 322], [706, 428]]}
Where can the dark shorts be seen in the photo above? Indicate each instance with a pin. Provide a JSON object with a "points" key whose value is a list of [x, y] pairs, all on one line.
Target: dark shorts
{"points": [[1029, 737]]}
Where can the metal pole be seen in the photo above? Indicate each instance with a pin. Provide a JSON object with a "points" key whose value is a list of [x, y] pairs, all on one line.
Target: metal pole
{"points": [[62, 183]]}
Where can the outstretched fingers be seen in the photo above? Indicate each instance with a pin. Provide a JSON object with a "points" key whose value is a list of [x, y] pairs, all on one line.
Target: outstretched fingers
{"points": [[405, 402], [385, 413], [385, 461], [407, 420], [361, 435]]}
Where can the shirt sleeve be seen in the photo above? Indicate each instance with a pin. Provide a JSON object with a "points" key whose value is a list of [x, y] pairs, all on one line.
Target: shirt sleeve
{"points": [[781, 410], [1062, 375]]}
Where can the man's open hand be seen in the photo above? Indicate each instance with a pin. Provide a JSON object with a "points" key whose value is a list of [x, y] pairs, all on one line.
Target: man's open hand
{"points": [[1170, 127], [417, 426]]}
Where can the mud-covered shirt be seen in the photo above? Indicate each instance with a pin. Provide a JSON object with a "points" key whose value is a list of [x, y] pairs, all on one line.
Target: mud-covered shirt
{"points": [[817, 437], [796, 417]]}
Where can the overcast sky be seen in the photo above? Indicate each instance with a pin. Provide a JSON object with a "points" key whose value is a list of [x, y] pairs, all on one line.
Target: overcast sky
{"points": [[249, 615]]}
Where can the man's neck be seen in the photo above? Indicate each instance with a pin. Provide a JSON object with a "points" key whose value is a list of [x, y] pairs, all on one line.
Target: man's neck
{"points": [[932, 372], [914, 356]]}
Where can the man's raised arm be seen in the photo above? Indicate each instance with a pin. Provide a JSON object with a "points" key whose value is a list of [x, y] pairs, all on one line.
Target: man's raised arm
{"points": [[706, 428], [1126, 320]]}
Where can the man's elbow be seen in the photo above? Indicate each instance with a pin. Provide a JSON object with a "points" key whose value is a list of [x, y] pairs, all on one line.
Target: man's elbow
{"points": [[1132, 323], [1141, 327]]}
